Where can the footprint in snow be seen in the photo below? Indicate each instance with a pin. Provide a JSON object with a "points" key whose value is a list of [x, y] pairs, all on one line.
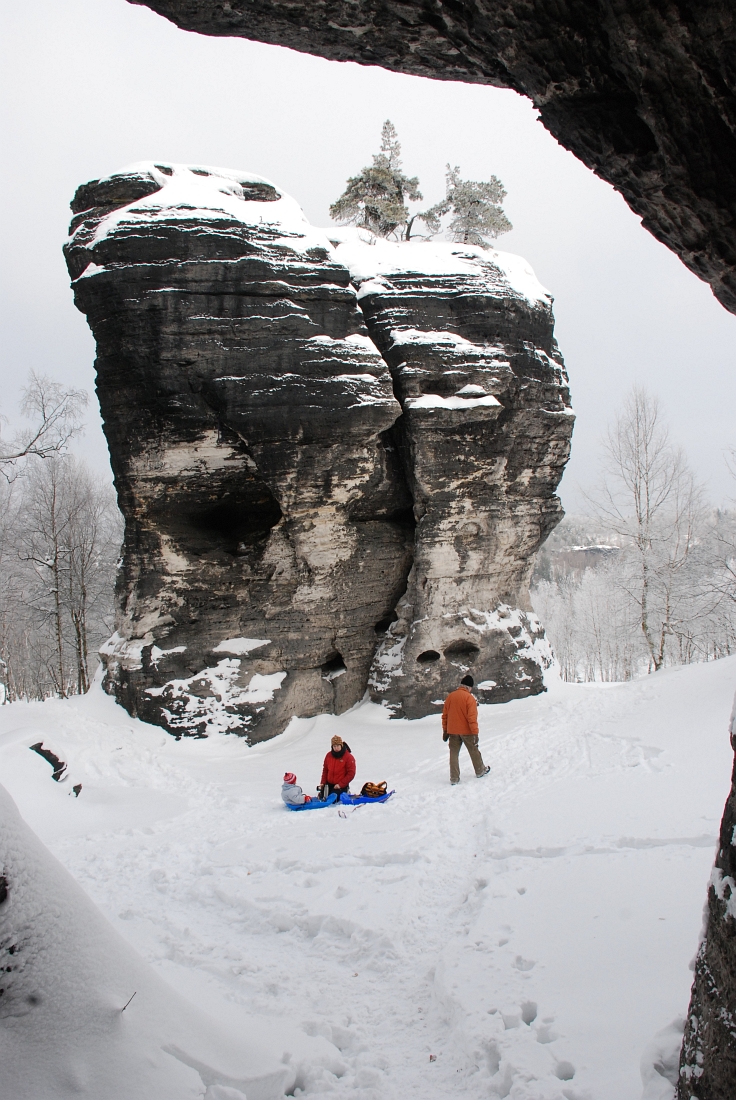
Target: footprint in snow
{"points": [[545, 1034], [523, 964]]}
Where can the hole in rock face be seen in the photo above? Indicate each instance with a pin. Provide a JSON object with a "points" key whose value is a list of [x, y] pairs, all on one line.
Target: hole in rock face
{"points": [[237, 523], [234, 527], [462, 651], [428, 657], [334, 666], [383, 624]]}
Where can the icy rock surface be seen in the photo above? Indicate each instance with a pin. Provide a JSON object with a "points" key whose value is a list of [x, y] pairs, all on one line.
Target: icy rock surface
{"points": [[316, 442]]}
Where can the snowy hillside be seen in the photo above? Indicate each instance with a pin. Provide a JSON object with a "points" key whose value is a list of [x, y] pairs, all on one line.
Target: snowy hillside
{"points": [[526, 935]]}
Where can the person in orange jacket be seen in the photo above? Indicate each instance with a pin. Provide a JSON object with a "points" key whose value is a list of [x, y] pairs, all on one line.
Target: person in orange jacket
{"points": [[337, 770], [460, 727]]}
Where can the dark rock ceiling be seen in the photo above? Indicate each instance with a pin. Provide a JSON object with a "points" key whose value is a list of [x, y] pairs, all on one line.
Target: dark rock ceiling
{"points": [[641, 92]]}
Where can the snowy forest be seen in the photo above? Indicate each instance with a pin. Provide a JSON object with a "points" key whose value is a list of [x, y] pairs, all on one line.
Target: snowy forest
{"points": [[647, 578], [60, 535]]}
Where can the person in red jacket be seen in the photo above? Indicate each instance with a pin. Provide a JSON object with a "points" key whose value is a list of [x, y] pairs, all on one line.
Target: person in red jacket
{"points": [[338, 769], [460, 727]]}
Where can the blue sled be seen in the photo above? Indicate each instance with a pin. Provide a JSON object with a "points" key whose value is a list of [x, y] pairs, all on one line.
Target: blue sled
{"points": [[359, 799], [315, 804]]}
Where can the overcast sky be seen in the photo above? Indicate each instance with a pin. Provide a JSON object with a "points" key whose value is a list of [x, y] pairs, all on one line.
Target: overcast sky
{"points": [[92, 85]]}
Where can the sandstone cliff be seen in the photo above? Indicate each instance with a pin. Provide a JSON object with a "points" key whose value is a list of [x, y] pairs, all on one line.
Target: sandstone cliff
{"points": [[485, 435], [314, 448]]}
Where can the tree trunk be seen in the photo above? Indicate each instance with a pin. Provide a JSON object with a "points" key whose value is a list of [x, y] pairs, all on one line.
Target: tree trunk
{"points": [[58, 606], [645, 613]]}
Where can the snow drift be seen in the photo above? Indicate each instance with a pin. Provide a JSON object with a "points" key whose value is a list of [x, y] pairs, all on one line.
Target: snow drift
{"points": [[82, 1015]]}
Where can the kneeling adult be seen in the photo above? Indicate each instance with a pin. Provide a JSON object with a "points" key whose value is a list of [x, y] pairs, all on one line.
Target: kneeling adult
{"points": [[338, 769]]}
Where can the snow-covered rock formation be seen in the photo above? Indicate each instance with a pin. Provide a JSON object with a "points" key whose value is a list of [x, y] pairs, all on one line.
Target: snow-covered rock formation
{"points": [[301, 490], [485, 434]]}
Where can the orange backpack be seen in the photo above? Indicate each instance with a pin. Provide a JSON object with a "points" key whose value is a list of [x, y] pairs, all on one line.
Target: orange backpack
{"points": [[373, 790]]}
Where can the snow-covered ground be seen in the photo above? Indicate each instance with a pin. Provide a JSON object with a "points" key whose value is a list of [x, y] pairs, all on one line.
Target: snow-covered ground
{"points": [[525, 935]]}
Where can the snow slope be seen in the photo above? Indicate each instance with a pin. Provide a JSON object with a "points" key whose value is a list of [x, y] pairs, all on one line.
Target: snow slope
{"points": [[526, 935]]}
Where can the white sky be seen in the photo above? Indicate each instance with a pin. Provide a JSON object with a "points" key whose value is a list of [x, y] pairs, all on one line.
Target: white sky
{"points": [[91, 85]]}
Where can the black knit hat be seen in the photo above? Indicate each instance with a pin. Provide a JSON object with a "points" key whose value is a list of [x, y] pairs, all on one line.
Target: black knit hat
{"points": [[468, 681]]}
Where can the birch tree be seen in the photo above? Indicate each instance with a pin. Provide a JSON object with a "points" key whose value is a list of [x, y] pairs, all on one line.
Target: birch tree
{"points": [[68, 540], [651, 502], [55, 418]]}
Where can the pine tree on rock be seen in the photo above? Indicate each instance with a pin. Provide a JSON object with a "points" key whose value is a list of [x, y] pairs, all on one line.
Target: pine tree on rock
{"points": [[477, 214], [376, 198]]}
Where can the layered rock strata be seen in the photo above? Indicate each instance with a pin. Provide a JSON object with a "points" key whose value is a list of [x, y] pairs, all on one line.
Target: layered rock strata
{"points": [[485, 434], [643, 92], [293, 498]]}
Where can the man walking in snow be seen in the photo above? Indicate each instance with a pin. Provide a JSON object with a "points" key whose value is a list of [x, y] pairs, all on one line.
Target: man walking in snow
{"points": [[460, 727]]}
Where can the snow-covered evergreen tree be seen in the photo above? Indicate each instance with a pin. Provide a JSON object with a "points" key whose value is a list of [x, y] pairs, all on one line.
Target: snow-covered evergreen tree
{"points": [[376, 198], [477, 214]]}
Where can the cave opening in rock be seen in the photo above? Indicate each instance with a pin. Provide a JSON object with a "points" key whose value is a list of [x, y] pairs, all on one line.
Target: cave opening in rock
{"points": [[237, 523], [428, 657], [334, 666], [383, 624], [461, 652], [236, 526]]}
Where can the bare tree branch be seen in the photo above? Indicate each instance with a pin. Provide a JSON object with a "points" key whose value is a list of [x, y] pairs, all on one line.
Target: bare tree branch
{"points": [[56, 419]]}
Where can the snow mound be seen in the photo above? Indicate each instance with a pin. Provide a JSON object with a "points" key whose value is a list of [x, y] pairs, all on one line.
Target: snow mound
{"points": [[82, 1015], [525, 936]]}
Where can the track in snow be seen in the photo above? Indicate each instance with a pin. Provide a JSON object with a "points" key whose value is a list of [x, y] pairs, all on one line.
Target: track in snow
{"points": [[530, 930]]}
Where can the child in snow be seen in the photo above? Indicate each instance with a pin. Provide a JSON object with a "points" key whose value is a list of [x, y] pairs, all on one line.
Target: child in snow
{"points": [[338, 769], [291, 794]]}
